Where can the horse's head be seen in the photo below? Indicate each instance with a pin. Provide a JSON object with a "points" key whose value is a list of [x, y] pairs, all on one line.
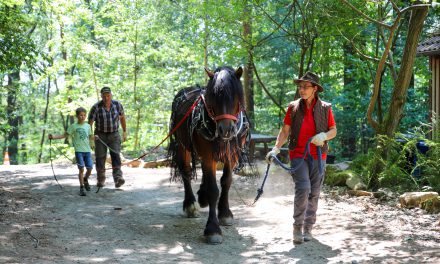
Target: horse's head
{"points": [[224, 99]]}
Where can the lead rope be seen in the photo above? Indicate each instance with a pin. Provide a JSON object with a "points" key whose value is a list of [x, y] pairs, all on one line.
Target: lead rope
{"points": [[290, 169], [51, 164]]}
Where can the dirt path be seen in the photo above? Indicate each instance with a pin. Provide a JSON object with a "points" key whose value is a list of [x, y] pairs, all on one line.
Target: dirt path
{"points": [[144, 223]]}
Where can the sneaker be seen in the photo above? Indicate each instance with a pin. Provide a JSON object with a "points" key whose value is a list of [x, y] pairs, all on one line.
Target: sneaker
{"points": [[119, 182], [308, 233], [81, 191], [86, 184], [297, 234]]}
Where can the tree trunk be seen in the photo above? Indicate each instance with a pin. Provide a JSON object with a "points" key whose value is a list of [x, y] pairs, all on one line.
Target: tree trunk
{"points": [[205, 42], [348, 138], [70, 119], [43, 134], [12, 116], [400, 91], [248, 69], [136, 98]]}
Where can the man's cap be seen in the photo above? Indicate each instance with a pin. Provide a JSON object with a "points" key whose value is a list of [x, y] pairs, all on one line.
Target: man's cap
{"points": [[106, 90], [310, 77]]}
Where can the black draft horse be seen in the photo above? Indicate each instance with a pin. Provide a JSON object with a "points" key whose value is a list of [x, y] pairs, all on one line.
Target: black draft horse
{"points": [[215, 130]]}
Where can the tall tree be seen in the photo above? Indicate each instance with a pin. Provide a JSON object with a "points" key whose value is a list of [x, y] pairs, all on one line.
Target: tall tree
{"points": [[416, 17], [16, 48], [12, 114], [248, 69]]}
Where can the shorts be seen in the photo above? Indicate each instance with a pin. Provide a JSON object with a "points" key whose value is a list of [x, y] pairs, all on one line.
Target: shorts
{"points": [[84, 159]]}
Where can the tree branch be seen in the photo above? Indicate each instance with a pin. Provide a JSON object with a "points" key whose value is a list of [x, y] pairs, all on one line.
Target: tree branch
{"points": [[359, 52], [377, 79], [278, 25], [265, 89], [366, 16], [390, 64]]}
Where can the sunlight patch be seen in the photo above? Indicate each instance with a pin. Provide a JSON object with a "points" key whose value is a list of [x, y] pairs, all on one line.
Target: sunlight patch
{"points": [[176, 250], [121, 251]]}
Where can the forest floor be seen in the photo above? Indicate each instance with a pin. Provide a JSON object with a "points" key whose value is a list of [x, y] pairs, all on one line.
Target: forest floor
{"points": [[143, 222]]}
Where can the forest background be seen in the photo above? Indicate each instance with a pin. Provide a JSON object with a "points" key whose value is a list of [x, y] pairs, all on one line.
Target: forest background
{"points": [[56, 55]]}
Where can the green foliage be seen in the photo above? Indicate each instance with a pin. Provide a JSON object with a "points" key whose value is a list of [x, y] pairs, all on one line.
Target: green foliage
{"points": [[147, 50], [404, 168], [16, 43]]}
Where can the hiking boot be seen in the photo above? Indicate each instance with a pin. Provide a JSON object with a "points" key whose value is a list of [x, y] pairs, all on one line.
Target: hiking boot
{"points": [[81, 191], [86, 184], [101, 181], [297, 234], [308, 233], [119, 182]]}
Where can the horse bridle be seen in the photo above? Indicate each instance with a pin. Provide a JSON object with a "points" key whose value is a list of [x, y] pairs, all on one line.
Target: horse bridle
{"points": [[216, 118]]}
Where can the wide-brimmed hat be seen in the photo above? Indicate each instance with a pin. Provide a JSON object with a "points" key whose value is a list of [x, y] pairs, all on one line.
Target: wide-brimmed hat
{"points": [[106, 89], [310, 77]]}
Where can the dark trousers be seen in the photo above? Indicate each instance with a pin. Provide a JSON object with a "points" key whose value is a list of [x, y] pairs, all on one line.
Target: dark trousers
{"points": [[113, 141], [308, 184]]}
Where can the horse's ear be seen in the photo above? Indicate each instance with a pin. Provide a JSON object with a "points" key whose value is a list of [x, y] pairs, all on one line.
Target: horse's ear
{"points": [[239, 72], [209, 73]]}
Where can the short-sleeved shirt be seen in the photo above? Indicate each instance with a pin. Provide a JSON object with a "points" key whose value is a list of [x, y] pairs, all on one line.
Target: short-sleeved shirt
{"points": [[308, 130], [80, 134], [106, 120]]}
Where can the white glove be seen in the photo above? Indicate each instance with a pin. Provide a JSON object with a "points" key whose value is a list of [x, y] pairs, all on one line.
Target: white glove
{"points": [[275, 151], [319, 139]]}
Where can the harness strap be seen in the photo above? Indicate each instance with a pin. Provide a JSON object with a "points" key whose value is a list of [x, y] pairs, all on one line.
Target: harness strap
{"points": [[225, 116]]}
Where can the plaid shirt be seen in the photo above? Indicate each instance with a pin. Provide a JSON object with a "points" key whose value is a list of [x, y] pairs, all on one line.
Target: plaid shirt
{"points": [[106, 121]]}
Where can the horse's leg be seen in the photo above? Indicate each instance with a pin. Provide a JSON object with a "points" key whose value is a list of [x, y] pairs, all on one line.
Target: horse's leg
{"points": [[183, 163], [212, 232], [224, 213]]}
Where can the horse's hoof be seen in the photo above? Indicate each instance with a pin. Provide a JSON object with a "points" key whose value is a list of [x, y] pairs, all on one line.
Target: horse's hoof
{"points": [[192, 211], [226, 221], [214, 239], [203, 201]]}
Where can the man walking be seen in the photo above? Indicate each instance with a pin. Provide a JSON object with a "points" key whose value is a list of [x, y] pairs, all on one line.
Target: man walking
{"points": [[107, 114]]}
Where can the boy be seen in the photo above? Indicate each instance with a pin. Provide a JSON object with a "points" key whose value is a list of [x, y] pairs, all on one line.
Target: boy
{"points": [[81, 133]]}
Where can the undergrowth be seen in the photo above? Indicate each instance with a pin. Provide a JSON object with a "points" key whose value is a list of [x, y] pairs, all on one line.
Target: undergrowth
{"points": [[405, 168]]}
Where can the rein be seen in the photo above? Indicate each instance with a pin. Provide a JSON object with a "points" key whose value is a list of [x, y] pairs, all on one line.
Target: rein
{"points": [[170, 133]]}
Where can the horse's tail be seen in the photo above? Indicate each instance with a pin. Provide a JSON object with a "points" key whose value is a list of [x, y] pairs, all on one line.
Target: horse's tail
{"points": [[172, 157], [173, 146]]}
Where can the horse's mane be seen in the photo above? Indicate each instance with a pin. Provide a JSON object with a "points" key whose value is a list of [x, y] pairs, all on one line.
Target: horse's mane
{"points": [[224, 86]]}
